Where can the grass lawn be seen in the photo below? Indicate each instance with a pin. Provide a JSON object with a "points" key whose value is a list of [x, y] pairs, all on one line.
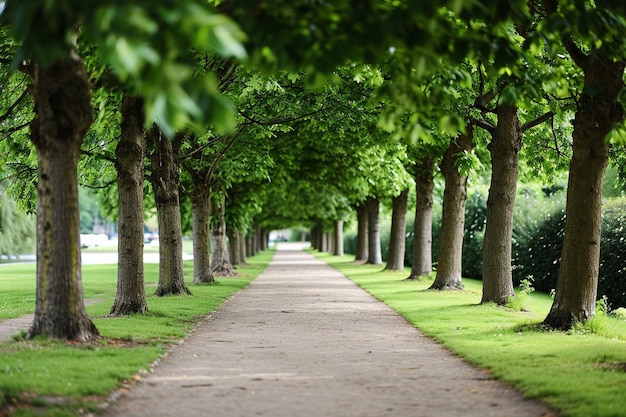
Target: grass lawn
{"points": [[580, 373], [52, 378]]}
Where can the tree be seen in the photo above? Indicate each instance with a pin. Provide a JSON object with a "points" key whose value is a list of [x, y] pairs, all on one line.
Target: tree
{"points": [[397, 239], [422, 264], [373, 231], [362, 238], [61, 93], [599, 111], [165, 179], [220, 255], [448, 275], [130, 296]]}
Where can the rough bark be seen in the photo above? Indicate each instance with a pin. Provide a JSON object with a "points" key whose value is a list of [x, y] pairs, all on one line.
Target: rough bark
{"points": [[373, 231], [130, 297], [423, 226], [338, 239], [397, 238], [598, 111], [165, 179], [504, 147], [234, 246], [362, 238], [250, 244], [61, 94], [220, 259], [200, 233], [450, 253], [242, 248]]}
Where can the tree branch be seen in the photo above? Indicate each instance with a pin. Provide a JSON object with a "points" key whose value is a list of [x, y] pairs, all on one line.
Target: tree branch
{"points": [[222, 153], [100, 187], [16, 128], [7, 113], [103, 156], [544, 117], [483, 124]]}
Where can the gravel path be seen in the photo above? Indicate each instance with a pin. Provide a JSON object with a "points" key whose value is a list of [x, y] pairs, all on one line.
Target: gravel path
{"points": [[304, 341]]}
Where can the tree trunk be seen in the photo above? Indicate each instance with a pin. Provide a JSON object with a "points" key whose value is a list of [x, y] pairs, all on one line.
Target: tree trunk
{"points": [[220, 259], [373, 232], [130, 297], [504, 148], [165, 179], [200, 225], [397, 239], [258, 238], [362, 239], [598, 112], [234, 246], [62, 99], [242, 248], [423, 227], [316, 239], [251, 244], [324, 240], [453, 218], [338, 239]]}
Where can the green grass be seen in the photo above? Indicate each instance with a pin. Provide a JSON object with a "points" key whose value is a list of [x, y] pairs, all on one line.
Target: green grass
{"points": [[77, 376], [581, 373]]}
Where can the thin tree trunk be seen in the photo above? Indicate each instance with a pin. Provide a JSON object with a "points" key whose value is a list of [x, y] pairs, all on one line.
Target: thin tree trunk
{"points": [[423, 227], [338, 239], [504, 148], [323, 240], [397, 239], [130, 297], [373, 231], [61, 93], [220, 259], [316, 239], [251, 244], [258, 238], [453, 218], [598, 112], [165, 179], [362, 239], [242, 248], [200, 229], [233, 246]]}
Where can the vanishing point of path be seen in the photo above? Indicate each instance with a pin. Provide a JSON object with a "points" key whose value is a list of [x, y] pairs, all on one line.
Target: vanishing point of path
{"points": [[304, 341]]}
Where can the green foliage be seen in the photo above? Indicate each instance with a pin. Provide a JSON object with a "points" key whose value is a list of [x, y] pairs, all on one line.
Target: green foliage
{"points": [[520, 301], [612, 276], [149, 46], [578, 374], [17, 229]]}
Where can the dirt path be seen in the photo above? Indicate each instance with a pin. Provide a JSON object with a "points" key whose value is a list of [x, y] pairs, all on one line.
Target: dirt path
{"points": [[304, 341]]}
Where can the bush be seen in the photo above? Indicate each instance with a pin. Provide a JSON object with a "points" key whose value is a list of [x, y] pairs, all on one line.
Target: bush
{"points": [[612, 279], [538, 252]]}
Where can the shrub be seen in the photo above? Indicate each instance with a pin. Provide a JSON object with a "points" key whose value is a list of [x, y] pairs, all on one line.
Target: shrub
{"points": [[537, 251], [612, 279]]}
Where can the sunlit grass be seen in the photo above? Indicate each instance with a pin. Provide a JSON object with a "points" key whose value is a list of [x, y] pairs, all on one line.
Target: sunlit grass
{"points": [[580, 373]]}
